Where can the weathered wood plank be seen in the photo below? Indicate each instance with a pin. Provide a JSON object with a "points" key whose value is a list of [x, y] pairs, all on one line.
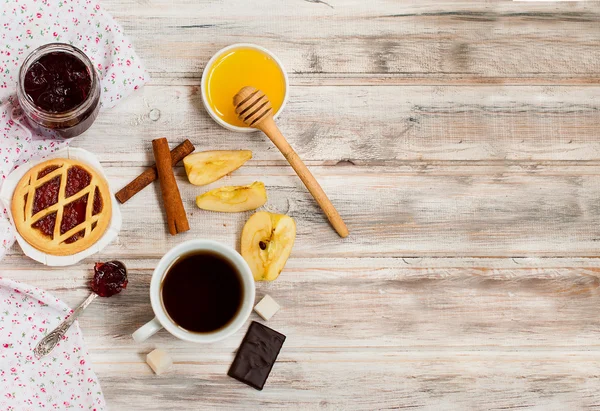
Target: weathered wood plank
{"points": [[354, 303], [366, 333], [482, 41], [370, 125], [390, 213], [358, 381], [420, 79]]}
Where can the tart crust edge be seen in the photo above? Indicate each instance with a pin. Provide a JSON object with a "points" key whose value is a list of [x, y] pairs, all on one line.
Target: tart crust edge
{"points": [[40, 241]]}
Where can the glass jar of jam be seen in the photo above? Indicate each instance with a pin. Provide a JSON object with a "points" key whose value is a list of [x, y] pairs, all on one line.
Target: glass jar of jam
{"points": [[59, 91]]}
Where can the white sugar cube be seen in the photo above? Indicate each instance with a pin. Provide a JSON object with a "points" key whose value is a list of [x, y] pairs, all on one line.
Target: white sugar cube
{"points": [[267, 307], [159, 361]]}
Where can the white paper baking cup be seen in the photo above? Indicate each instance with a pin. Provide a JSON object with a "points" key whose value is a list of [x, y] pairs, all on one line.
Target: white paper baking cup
{"points": [[6, 194]]}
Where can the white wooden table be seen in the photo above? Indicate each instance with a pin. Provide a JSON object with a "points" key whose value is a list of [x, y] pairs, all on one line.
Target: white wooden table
{"points": [[461, 143]]}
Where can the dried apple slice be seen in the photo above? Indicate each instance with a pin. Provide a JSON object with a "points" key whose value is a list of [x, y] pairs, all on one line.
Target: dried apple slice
{"points": [[208, 166], [267, 241], [233, 199]]}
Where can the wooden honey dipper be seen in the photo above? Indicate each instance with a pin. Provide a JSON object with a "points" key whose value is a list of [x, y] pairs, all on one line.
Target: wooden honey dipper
{"points": [[254, 108]]}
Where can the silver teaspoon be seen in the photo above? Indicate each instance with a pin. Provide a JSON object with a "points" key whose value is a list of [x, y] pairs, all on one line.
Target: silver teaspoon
{"points": [[110, 278], [47, 344]]}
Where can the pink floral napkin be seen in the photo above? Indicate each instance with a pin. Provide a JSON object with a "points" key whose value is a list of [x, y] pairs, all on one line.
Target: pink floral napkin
{"points": [[28, 24], [64, 378]]}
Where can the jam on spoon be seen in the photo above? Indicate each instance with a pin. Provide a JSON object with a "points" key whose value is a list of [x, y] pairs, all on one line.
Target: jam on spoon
{"points": [[109, 279]]}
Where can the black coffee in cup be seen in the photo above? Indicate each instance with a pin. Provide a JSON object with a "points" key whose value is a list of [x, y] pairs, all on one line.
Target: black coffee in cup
{"points": [[202, 292]]}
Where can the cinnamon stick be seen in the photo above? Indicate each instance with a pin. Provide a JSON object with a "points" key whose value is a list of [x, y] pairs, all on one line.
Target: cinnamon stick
{"points": [[150, 174], [176, 218]]}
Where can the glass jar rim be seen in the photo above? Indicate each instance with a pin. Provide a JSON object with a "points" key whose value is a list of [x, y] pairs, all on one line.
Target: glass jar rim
{"points": [[35, 55]]}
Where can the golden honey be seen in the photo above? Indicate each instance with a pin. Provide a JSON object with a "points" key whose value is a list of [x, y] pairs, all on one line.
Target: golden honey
{"points": [[238, 68]]}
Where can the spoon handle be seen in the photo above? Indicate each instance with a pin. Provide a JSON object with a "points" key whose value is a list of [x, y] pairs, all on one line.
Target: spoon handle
{"points": [[47, 344], [269, 127]]}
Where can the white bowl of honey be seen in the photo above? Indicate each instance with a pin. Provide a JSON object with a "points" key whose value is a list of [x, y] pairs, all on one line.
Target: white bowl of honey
{"points": [[235, 67]]}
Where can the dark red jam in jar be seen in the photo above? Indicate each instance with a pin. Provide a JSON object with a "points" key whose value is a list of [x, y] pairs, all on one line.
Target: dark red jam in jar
{"points": [[59, 91]]}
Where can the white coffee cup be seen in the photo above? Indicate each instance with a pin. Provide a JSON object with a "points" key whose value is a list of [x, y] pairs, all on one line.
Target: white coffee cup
{"points": [[162, 319]]}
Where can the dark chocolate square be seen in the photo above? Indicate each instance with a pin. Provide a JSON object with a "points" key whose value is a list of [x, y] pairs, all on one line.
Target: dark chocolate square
{"points": [[256, 355]]}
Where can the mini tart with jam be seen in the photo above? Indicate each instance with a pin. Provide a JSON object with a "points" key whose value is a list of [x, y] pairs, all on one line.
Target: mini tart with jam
{"points": [[61, 206]]}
